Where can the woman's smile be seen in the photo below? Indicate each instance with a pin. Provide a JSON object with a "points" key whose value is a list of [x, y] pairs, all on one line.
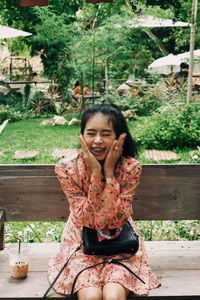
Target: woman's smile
{"points": [[98, 152]]}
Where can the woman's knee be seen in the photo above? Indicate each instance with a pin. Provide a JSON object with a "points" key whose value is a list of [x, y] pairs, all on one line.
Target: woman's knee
{"points": [[114, 291], [90, 293], [113, 296]]}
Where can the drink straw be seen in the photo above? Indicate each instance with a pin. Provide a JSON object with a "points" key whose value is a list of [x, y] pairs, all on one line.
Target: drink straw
{"points": [[19, 246]]}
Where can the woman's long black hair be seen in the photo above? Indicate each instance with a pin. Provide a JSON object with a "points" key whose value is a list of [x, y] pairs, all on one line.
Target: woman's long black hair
{"points": [[118, 122]]}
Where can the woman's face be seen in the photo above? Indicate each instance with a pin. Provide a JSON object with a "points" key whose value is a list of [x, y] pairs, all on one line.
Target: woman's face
{"points": [[99, 135]]}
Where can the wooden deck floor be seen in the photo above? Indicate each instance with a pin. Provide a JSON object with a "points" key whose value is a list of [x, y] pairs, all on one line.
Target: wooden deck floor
{"points": [[177, 264]]}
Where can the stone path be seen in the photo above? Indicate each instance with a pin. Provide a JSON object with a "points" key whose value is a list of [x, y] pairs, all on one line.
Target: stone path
{"points": [[157, 155], [59, 153], [25, 154]]}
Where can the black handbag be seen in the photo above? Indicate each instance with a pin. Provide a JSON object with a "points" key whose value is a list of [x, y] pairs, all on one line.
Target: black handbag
{"points": [[125, 242]]}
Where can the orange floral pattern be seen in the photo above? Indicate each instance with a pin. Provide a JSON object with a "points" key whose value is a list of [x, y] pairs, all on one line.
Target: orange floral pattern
{"points": [[96, 204]]}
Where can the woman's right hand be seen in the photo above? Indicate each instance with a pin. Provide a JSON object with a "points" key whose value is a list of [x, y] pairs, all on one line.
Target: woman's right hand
{"points": [[93, 162]]}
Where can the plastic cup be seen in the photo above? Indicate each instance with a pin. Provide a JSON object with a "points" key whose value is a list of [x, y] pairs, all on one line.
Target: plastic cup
{"points": [[18, 260]]}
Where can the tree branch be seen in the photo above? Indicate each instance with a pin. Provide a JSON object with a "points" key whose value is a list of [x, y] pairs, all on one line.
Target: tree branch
{"points": [[156, 40]]}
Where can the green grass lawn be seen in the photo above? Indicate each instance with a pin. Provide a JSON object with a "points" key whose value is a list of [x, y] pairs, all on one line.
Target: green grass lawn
{"points": [[30, 135]]}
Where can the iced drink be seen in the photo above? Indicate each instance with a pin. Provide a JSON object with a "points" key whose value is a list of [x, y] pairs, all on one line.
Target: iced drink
{"points": [[18, 260]]}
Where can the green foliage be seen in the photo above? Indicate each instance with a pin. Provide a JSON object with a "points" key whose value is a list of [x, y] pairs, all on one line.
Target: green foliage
{"points": [[65, 36], [172, 126], [53, 36], [195, 155], [33, 232], [150, 230], [38, 102], [23, 18], [7, 112], [144, 106], [145, 101], [169, 230], [112, 47], [11, 98]]}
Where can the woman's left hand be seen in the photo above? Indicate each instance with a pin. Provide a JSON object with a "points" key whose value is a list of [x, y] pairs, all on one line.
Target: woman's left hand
{"points": [[113, 156]]}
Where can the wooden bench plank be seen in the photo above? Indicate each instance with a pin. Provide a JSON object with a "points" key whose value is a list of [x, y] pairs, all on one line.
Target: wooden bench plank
{"points": [[178, 273], [171, 255], [35, 285], [166, 192]]}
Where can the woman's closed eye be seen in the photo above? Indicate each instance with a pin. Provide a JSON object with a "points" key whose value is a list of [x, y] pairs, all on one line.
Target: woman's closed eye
{"points": [[94, 134]]}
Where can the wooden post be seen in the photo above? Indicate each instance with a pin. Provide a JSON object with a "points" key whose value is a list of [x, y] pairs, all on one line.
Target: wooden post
{"points": [[2, 218], [192, 42]]}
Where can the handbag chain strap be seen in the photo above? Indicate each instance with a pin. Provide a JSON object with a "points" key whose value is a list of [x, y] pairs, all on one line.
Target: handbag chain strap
{"points": [[59, 273]]}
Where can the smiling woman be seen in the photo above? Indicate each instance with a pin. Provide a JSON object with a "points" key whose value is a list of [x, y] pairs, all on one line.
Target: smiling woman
{"points": [[100, 184]]}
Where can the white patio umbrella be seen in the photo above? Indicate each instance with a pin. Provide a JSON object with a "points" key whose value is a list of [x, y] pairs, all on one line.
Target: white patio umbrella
{"points": [[150, 21], [171, 63], [8, 32], [165, 65], [186, 55], [196, 60]]}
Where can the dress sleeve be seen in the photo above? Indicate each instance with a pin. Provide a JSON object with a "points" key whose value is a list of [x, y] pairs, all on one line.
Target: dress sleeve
{"points": [[117, 199], [84, 207], [105, 205]]}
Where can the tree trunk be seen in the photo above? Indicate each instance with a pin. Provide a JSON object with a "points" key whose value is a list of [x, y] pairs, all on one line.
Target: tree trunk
{"points": [[192, 43], [106, 76]]}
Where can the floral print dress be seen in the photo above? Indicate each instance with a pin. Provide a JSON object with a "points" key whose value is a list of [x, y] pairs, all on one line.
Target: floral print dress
{"points": [[96, 204]]}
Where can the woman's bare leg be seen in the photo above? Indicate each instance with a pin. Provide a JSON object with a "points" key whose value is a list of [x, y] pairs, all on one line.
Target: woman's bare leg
{"points": [[114, 291], [90, 293]]}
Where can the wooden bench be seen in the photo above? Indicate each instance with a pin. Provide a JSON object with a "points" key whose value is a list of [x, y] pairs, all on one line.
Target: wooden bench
{"points": [[166, 192]]}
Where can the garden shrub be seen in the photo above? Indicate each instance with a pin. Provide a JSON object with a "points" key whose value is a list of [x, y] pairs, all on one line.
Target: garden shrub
{"points": [[11, 98], [7, 112], [144, 106], [171, 126]]}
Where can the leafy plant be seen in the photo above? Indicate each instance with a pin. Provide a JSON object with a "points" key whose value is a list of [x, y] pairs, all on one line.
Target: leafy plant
{"points": [[54, 37], [10, 97], [33, 232], [171, 126], [195, 155], [169, 230], [150, 230], [7, 112]]}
